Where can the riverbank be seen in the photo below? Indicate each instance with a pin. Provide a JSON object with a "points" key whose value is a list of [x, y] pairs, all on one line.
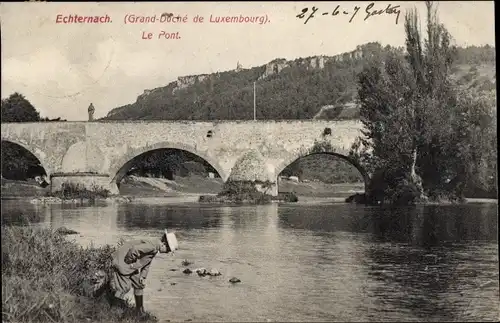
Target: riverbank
{"points": [[188, 190], [45, 277], [133, 186], [58, 200], [184, 186]]}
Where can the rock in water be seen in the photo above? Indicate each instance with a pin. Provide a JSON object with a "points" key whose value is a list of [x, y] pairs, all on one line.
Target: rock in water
{"points": [[186, 263], [214, 272], [187, 271], [201, 272], [234, 280]]}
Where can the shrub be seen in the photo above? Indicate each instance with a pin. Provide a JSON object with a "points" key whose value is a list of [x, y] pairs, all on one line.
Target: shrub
{"points": [[287, 197], [239, 192], [70, 191]]}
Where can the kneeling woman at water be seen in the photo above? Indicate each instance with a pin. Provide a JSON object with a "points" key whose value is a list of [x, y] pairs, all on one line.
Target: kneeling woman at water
{"points": [[131, 264]]}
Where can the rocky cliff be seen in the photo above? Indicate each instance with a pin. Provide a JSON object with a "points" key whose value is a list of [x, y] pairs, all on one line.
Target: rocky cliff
{"points": [[287, 89]]}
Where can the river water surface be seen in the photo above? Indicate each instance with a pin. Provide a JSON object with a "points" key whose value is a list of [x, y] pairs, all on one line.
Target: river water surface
{"points": [[305, 262]]}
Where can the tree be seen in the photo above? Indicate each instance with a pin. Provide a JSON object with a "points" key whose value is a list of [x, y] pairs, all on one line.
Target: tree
{"points": [[17, 162], [405, 107], [478, 149], [388, 108], [16, 108], [426, 138]]}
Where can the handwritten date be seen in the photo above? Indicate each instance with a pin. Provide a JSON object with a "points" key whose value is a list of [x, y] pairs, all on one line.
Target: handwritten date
{"points": [[370, 11]]}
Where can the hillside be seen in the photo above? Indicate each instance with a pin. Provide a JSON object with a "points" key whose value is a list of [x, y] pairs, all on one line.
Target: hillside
{"points": [[321, 87]]}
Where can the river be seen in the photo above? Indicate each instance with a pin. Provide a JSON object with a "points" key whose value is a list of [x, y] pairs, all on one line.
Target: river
{"points": [[304, 262]]}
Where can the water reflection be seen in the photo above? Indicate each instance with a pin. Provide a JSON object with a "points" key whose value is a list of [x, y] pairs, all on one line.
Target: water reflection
{"points": [[424, 272], [311, 262], [180, 217]]}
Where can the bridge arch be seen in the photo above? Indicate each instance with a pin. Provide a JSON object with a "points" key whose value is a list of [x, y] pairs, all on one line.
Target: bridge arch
{"points": [[292, 159], [39, 155], [119, 167]]}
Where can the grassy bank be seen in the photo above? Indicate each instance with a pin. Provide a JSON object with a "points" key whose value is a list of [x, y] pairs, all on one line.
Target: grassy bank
{"points": [[158, 187], [319, 189], [28, 188], [47, 278]]}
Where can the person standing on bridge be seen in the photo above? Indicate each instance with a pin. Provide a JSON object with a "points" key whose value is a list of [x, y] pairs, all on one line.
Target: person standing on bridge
{"points": [[131, 263]]}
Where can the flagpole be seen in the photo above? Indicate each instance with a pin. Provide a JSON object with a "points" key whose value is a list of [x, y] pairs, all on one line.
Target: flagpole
{"points": [[254, 114]]}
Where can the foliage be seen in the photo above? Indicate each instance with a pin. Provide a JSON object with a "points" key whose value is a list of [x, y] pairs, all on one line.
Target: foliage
{"points": [[324, 168], [321, 166], [321, 147], [17, 162], [239, 192], [286, 197], [478, 150], [58, 119], [16, 108], [169, 162], [296, 92], [360, 153], [472, 55], [46, 278], [244, 190], [71, 191], [419, 128]]}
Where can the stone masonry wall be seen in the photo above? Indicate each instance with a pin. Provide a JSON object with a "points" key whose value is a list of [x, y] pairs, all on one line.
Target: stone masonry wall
{"points": [[105, 147]]}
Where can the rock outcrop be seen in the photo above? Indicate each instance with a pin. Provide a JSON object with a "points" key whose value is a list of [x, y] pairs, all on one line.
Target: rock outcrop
{"points": [[274, 67]]}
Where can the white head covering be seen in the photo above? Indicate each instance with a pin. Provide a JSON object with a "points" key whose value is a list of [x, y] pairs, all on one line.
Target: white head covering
{"points": [[171, 240]]}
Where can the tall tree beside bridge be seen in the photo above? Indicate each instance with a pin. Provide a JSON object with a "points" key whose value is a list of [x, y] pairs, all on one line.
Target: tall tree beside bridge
{"points": [[419, 127]]}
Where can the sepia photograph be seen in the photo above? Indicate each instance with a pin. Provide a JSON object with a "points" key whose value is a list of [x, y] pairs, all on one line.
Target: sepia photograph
{"points": [[249, 161]]}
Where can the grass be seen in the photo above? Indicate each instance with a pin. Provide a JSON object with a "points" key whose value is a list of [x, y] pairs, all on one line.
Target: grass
{"points": [[15, 188], [46, 278], [71, 191], [194, 184]]}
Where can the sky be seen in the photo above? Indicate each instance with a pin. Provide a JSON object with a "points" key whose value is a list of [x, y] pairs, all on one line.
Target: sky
{"points": [[62, 68]]}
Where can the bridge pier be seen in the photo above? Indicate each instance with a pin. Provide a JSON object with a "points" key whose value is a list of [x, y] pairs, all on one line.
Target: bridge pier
{"points": [[90, 181]]}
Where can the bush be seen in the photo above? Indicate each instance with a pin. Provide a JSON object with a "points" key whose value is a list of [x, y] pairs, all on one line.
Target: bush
{"points": [[77, 191], [46, 278], [287, 197], [357, 199], [393, 186], [239, 192]]}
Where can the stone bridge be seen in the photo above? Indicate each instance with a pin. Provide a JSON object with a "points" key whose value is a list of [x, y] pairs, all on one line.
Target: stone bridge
{"points": [[99, 153]]}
